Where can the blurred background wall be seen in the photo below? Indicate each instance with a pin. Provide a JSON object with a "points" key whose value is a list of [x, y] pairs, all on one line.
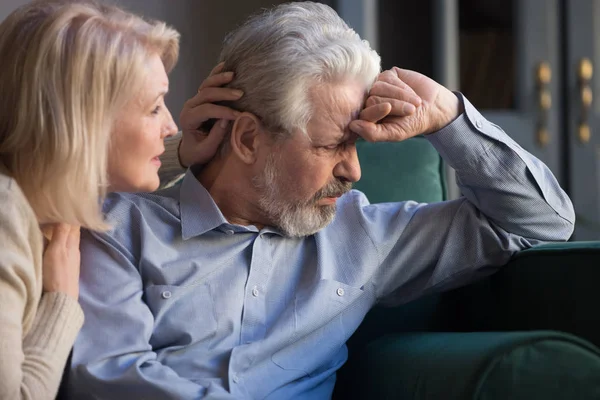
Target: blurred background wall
{"points": [[202, 24]]}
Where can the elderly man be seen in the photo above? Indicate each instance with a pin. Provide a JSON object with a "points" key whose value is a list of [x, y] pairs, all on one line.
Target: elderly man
{"points": [[247, 279]]}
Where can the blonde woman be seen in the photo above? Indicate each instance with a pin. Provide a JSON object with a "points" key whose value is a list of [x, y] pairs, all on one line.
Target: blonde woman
{"points": [[82, 112]]}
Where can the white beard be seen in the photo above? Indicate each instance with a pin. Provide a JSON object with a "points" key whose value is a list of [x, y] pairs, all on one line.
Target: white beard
{"points": [[294, 219]]}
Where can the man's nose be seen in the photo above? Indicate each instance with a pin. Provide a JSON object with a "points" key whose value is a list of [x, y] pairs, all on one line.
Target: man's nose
{"points": [[348, 169]]}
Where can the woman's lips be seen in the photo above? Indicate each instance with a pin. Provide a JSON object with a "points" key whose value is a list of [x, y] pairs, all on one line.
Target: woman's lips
{"points": [[156, 161]]}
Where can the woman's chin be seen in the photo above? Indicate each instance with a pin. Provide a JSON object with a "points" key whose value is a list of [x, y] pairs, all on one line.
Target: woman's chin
{"points": [[149, 184]]}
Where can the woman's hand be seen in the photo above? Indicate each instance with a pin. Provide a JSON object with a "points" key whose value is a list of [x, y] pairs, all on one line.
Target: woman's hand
{"points": [[198, 146], [60, 270]]}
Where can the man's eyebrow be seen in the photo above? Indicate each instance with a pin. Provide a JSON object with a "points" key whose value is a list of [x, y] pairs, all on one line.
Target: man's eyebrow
{"points": [[346, 136], [344, 130]]}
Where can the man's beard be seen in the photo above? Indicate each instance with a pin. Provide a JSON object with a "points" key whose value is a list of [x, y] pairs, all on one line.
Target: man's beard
{"points": [[295, 218]]}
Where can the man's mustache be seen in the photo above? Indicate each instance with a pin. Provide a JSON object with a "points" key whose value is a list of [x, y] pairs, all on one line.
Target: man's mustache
{"points": [[333, 189]]}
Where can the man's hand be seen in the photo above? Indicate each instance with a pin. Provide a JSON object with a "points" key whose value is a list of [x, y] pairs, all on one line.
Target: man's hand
{"points": [[400, 88], [196, 146]]}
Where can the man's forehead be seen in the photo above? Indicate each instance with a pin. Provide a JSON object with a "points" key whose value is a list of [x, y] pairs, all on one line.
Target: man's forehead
{"points": [[336, 105]]}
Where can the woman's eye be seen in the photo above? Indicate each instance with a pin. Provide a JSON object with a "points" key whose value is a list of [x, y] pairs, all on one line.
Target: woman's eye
{"points": [[332, 147], [156, 110]]}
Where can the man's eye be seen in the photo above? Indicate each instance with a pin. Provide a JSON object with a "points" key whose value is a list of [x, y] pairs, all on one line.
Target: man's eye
{"points": [[156, 110], [331, 147]]}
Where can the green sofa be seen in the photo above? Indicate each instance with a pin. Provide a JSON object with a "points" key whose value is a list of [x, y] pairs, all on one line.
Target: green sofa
{"points": [[529, 331]]}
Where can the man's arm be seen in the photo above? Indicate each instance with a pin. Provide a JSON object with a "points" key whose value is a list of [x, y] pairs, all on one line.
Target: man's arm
{"points": [[510, 201], [112, 357], [512, 188]]}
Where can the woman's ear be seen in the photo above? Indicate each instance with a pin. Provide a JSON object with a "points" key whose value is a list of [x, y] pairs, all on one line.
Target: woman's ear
{"points": [[245, 137]]}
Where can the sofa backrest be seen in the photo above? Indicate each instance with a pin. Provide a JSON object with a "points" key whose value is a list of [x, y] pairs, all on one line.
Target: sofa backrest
{"points": [[408, 170]]}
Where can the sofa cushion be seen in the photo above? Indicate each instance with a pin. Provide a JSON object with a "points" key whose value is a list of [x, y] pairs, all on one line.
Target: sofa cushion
{"points": [[551, 286], [480, 365], [407, 170]]}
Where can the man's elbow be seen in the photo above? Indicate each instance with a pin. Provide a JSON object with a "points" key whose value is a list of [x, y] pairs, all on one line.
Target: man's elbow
{"points": [[566, 220], [565, 231], [561, 226]]}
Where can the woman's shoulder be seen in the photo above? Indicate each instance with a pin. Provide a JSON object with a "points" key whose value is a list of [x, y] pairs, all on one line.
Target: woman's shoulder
{"points": [[13, 202], [21, 242]]}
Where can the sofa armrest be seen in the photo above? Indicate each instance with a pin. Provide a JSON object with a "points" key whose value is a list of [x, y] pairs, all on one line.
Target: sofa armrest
{"points": [[479, 365], [552, 286]]}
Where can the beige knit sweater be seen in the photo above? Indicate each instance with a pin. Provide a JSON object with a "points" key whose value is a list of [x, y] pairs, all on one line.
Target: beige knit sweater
{"points": [[37, 330]]}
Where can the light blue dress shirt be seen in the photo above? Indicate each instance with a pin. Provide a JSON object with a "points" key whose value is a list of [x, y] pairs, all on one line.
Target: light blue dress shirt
{"points": [[180, 304]]}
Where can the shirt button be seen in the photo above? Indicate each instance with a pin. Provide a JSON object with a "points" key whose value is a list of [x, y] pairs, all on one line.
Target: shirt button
{"points": [[479, 124], [340, 292], [229, 232], [255, 291], [235, 378], [166, 294]]}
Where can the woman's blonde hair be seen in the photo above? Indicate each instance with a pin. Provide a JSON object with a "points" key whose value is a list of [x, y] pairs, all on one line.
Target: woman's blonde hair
{"points": [[67, 68]]}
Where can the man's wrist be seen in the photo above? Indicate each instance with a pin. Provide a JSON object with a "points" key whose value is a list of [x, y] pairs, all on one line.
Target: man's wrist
{"points": [[449, 108]]}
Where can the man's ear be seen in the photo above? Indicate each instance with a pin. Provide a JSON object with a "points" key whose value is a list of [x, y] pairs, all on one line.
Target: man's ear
{"points": [[245, 137]]}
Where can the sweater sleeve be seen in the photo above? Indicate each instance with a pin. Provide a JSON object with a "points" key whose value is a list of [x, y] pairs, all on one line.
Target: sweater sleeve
{"points": [[31, 363]]}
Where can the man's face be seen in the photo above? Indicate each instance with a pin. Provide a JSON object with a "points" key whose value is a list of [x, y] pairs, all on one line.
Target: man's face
{"points": [[304, 175]]}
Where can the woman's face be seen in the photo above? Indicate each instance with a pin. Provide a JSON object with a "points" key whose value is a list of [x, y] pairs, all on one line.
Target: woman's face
{"points": [[138, 136]]}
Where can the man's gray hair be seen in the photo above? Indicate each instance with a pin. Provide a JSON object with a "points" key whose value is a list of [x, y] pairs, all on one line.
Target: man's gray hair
{"points": [[280, 53]]}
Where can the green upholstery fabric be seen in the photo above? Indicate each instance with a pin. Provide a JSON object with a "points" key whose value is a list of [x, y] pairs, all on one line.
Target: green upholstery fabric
{"points": [[553, 286], [484, 366], [408, 170], [548, 287]]}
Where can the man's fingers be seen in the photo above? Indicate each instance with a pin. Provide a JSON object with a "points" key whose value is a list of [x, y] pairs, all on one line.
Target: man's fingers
{"points": [[365, 129], [196, 116], [391, 77], [212, 95], [389, 129], [217, 68], [217, 80], [398, 108], [387, 90], [375, 112], [406, 75]]}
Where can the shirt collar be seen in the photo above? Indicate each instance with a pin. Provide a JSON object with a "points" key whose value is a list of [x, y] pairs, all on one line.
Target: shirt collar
{"points": [[199, 213]]}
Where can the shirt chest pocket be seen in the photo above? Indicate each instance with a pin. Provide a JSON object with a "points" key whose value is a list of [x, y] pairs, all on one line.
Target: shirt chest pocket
{"points": [[321, 327], [183, 315]]}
